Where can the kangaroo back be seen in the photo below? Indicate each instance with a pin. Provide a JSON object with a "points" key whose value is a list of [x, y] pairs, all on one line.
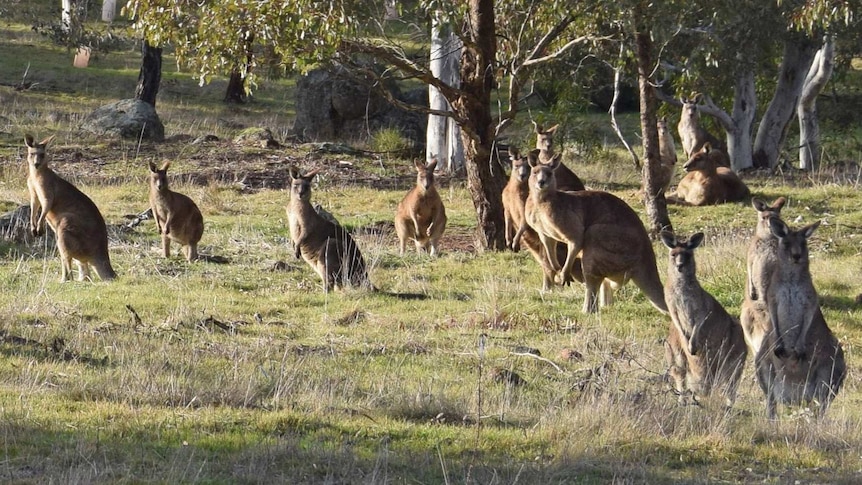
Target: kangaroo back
{"points": [[420, 215], [177, 216], [79, 227], [326, 246], [708, 349]]}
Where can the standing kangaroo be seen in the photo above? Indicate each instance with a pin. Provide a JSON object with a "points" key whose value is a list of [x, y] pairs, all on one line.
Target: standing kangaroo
{"points": [[326, 246], [614, 242], [566, 179], [705, 348], [76, 221], [706, 183], [692, 134], [177, 217], [761, 261], [420, 215], [515, 195], [667, 153]]}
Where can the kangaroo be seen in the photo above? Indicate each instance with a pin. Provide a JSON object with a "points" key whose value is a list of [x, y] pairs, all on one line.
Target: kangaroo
{"points": [[790, 297], [706, 347], [420, 215], [692, 134], [515, 195], [667, 153], [177, 216], [566, 179], [76, 221], [706, 183], [816, 376], [761, 261], [326, 246], [614, 242]]}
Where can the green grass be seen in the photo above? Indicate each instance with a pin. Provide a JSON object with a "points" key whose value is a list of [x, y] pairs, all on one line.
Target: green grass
{"points": [[292, 385]]}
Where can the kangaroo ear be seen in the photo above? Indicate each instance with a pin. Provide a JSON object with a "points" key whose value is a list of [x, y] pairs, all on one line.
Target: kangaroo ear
{"points": [[29, 141], [706, 147], [293, 172], [153, 167], [778, 227], [758, 204], [431, 165], [46, 141], [310, 175], [537, 128], [697, 98], [533, 158], [513, 152], [419, 164], [779, 203], [668, 239], [552, 129], [807, 231], [556, 161], [166, 165], [683, 100], [695, 241]]}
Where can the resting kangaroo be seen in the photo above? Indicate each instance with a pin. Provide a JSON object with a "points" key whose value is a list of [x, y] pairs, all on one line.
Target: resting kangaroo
{"points": [[566, 179], [327, 247], [706, 183], [705, 348], [177, 217], [420, 215], [614, 242], [692, 134], [761, 261], [76, 221], [515, 195]]}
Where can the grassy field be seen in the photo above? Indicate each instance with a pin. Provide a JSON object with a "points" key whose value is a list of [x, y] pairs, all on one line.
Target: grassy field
{"points": [[246, 372]]}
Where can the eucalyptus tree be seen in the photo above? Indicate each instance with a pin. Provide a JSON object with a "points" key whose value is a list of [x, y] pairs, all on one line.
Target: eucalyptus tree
{"points": [[501, 40]]}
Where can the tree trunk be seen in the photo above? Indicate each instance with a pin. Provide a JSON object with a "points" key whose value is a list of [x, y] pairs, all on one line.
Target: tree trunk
{"points": [[798, 53], [150, 74], [109, 9], [809, 128], [66, 15], [235, 88], [656, 205], [452, 77], [485, 176], [742, 117], [436, 134]]}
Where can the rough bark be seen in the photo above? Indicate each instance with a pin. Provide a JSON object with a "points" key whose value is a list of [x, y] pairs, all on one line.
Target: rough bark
{"points": [[485, 177], [798, 53], [809, 127], [742, 120], [150, 75], [235, 88]]}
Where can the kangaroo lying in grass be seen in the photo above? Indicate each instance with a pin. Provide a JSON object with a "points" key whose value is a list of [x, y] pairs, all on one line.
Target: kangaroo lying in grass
{"points": [[420, 215], [612, 237], [692, 134], [76, 221], [326, 246], [706, 183], [761, 261], [514, 199], [706, 348], [566, 179], [177, 217]]}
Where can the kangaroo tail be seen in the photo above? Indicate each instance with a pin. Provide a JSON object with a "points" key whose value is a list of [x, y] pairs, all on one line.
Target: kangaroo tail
{"points": [[105, 271]]}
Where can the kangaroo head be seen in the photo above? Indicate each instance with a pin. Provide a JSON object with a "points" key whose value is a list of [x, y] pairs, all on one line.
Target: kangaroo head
{"points": [[425, 173], [661, 125], [36, 152], [700, 160], [520, 166], [792, 245], [545, 138], [689, 106], [159, 176], [542, 174], [300, 185], [764, 213], [682, 251]]}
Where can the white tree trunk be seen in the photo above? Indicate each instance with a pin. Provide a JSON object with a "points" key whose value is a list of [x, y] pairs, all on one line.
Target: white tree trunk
{"points": [[66, 15], [798, 53], [109, 9], [809, 128], [744, 107], [443, 137]]}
